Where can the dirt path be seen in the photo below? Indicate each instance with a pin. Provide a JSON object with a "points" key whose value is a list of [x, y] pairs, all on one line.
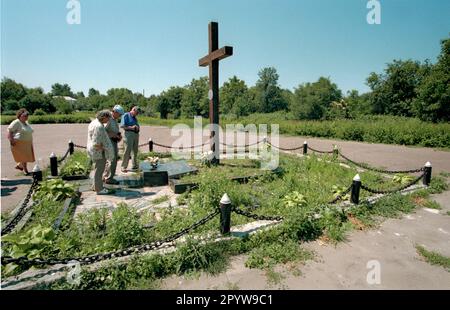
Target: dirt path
{"points": [[55, 137]]}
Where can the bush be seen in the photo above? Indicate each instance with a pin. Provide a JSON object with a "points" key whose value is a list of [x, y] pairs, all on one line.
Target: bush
{"points": [[39, 112]]}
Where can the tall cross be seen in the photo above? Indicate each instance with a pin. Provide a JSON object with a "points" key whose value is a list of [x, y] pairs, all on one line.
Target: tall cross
{"points": [[212, 60]]}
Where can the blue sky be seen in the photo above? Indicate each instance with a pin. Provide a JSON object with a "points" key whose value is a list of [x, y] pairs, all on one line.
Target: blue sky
{"points": [[153, 44]]}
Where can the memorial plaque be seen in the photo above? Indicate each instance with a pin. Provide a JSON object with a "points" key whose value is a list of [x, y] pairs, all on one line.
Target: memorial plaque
{"points": [[164, 172]]}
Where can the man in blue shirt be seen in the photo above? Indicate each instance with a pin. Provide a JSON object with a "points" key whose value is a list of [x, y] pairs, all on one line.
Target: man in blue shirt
{"points": [[131, 126]]}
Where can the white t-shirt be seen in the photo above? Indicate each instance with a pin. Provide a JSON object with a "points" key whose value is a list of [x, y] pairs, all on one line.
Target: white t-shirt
{"points": [[21, 131]]}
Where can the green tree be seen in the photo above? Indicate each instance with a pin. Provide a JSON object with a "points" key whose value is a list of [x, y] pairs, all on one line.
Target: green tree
{"points": [[79, 95], [61, 90], [11, 90], [232, 91], [35, 100], [433, 102], [122, 96], [357, 105], [195, 98], [169, 101], [394, 91], [313, 100], [93, 92], [270, 97], [62, 105]]}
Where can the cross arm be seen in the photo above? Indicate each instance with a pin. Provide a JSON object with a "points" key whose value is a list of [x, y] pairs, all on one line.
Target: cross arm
{"points": [[219, 54]]}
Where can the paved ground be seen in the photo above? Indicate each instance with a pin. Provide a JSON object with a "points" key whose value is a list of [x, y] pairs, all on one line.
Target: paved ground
{"points": [[341, 267], [55, 137]]}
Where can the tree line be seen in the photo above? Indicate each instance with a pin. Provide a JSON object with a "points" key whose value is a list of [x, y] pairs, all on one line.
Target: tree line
{"points": [[405, 88]]}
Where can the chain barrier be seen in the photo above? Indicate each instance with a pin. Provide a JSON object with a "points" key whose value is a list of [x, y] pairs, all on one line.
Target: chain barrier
{"points": [[22, 210], [377, 191], [365, 166], [179, 147], [64, 157], [244, 145], [285, 149], [320, 152], [93, 258], [80, 146], [340, 196], [256, 216]]}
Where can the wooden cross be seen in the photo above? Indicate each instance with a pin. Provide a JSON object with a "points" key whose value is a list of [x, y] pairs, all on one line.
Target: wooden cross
{"points": [[212, 60]]}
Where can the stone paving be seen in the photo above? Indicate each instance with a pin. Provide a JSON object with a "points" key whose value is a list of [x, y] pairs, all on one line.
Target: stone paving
{"points": [[141, 199]]}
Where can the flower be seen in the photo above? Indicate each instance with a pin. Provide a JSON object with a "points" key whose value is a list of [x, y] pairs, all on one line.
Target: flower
{"points": [[153, 160], [207, 157]]}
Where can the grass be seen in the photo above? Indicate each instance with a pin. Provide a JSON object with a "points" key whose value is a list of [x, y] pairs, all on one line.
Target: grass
{"points": [[307, 217], [434, 258]]}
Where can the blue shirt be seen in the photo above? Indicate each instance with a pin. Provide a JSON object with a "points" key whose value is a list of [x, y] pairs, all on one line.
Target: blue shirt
{"points": [[128, 120]]}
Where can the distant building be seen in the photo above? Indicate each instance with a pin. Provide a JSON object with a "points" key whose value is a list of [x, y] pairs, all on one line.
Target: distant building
{"points": [[67, 98]]}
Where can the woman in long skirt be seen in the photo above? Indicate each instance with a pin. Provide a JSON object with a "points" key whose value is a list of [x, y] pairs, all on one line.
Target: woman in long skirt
{"points": [[20, 136]]}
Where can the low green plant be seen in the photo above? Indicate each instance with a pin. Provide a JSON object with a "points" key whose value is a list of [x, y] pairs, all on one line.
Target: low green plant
{"points": [[434, 258], [30, 244], [125, 227], [338, 191], [54, 189], [402, 179], [270, 254], [294, 200], [74, 169]]}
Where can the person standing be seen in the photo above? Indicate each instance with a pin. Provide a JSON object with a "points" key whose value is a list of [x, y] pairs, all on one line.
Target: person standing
{"points": [[100, 149], [131, 126], [20, 136], [113, 130]]}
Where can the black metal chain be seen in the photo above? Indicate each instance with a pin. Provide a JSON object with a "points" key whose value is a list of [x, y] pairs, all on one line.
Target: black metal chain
{"points": [[22, 210], [244, 145], [89, 259], [284, 148], [80, 146], [378, 191], [318, 151], [64, 157], [341, 195], [256, 216], [365, 166], [179, 147]]}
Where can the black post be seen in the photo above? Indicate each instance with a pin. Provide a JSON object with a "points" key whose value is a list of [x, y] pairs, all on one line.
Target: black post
{"points": [[54, 165], [225, 214], [427, 177], [305, 148], [356, 187], [150, 145], [37, 174], [71, 147]]}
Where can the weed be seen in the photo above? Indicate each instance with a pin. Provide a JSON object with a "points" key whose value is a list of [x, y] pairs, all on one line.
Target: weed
{"points": [[434, 258]]}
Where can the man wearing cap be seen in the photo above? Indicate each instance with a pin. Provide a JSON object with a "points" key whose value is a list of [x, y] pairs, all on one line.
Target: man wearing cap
{"points": [[131, 126], [113, 130]]}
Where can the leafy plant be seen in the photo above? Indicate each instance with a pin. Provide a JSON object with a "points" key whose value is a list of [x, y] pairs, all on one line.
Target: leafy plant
{"points": [[338, 191], [74, 169], [55, 189], [294, 199], [402, 179], [30, 244], [125, 228]]}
